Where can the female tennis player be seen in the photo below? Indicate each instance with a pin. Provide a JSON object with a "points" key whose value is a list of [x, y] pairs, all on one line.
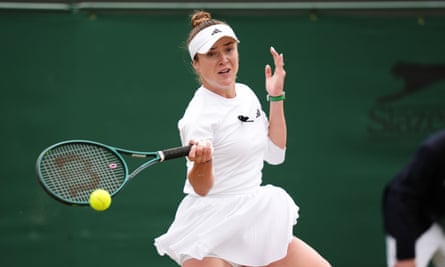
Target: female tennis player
{"points": [[228, 218]]}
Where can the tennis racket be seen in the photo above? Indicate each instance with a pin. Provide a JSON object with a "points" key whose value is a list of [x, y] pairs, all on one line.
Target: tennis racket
{"points": [[71, 170]]}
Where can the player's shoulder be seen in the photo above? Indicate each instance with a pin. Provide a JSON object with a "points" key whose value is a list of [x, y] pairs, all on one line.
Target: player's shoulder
{"points": [[242, 86], [244, 89], [201, 104], [195, 105]]}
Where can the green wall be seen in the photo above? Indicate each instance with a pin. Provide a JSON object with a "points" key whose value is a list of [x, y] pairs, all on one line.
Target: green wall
{"points": [[125, 79]]}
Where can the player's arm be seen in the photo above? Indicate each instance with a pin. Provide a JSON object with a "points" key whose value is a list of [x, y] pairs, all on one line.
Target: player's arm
{"points": [[201, 175], [275, 88], [277, 124]]}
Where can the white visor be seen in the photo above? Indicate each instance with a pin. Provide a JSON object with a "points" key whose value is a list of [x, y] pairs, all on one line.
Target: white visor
{"points": [[205, 39]]}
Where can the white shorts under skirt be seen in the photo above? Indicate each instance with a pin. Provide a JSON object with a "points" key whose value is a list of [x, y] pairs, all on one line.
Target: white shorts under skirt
{"points": [[252, 229]]}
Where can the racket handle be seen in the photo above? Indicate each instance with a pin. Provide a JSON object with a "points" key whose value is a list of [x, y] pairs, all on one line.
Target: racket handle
{"points": [[173, 153]]}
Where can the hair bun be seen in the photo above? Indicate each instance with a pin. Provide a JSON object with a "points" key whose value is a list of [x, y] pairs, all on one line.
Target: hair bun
{"points": [[200, 17]]}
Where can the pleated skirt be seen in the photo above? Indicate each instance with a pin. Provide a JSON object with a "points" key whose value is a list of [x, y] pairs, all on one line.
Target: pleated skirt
{"points": [[252, 228]]}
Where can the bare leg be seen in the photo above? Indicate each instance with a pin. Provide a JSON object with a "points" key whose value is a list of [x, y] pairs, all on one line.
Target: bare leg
{"points": [[206, 262], [299, 254]]}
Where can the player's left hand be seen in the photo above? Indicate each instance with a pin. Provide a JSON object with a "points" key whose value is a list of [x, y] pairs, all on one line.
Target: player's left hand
{"points": [[275, 81]]}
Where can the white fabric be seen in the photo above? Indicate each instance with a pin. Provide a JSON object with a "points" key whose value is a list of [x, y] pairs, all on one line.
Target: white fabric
{"points": [[206, 38], [246, 229], [239, 147], [429, 247], [240, 220]]}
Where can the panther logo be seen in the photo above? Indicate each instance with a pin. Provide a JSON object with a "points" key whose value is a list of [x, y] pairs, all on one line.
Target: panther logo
{"points": [[416, 77]]}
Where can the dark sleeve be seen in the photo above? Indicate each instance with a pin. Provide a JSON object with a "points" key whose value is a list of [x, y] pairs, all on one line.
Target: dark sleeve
{"points": [[404, 202]]}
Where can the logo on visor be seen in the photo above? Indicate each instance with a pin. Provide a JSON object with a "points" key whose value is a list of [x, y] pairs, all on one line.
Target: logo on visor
{"points": [[215, 31]]}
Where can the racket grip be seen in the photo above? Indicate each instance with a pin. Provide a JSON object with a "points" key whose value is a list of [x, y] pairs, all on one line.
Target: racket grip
{"points": [[173, 153]]}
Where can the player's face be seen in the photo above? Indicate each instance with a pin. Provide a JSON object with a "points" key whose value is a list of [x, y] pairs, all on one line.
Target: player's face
{"points": [[218, 68]]}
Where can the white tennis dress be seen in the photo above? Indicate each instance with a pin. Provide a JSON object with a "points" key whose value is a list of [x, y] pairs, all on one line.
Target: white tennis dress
{"points": [[240, 220]]}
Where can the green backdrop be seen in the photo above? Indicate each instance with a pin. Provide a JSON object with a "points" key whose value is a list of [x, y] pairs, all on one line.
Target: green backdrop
{"points": [[125, 79]]}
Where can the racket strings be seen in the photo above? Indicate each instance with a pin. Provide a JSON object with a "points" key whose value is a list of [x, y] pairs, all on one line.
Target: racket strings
{"points": [[72, 171]]}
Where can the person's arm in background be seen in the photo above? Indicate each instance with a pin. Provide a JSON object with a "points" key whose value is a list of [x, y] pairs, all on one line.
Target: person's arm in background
{"points": [[403, 204], [406, 263]]}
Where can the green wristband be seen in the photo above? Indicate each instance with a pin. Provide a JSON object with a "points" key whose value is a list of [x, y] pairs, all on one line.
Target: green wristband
{"points": [[276, 98]]}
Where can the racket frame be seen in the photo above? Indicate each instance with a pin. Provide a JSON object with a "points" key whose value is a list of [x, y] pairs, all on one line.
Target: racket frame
{"points": [[155, 157]]}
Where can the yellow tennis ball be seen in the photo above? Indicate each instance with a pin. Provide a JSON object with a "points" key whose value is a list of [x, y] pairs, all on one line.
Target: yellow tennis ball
{"points": [[100, 200]]}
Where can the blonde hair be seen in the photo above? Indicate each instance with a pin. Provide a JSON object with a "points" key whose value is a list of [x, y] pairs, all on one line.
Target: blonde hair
{"points": [[200, 20]]}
